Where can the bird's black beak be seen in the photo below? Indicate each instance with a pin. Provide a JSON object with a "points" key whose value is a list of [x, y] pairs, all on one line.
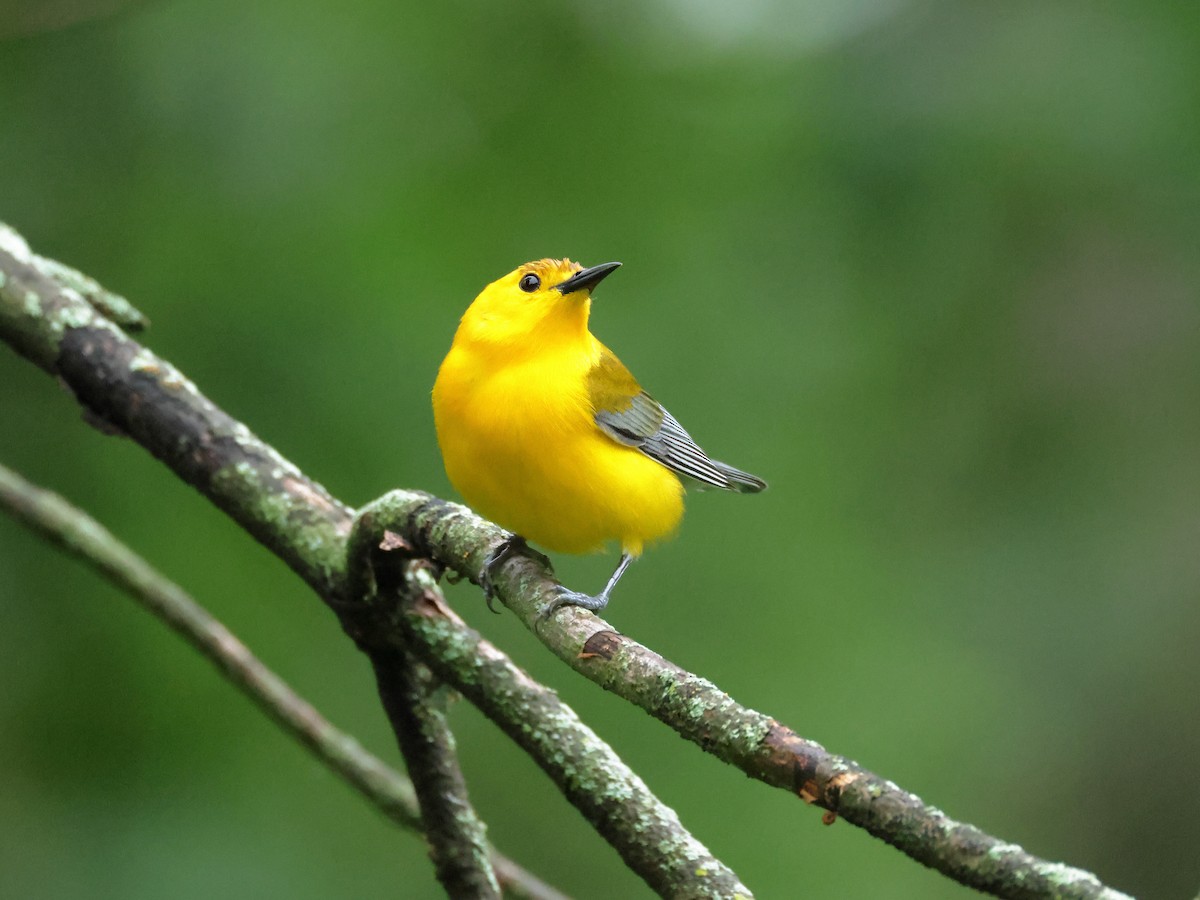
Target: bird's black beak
{"points": [[588, 278]]}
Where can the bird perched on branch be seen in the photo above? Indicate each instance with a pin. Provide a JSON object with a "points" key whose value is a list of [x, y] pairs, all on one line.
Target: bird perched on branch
{"points": [[544, 431]]}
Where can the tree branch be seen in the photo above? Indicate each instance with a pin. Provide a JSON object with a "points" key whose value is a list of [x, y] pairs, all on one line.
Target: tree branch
{"points": [[125, 385], [73, 530], [297, 519], [618, 804], [112, 306], [416, 706], [702, 713]]}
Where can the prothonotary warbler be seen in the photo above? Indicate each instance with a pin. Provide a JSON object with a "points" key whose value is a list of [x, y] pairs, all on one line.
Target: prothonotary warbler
{"points": [[544, 431]]}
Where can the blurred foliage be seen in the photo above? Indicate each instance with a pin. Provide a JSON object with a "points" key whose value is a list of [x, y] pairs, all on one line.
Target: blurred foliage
{"points": [[930, 268]]}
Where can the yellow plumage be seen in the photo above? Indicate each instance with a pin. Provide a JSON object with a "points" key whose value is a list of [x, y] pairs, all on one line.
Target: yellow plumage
{"points": [[544, 431]]}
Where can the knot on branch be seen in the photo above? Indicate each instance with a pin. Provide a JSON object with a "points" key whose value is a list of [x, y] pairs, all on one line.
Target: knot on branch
{"points": [[387, 578]]}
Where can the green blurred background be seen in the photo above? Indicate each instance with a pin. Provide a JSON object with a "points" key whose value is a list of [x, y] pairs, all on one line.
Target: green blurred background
{"points": [[929, 267]]}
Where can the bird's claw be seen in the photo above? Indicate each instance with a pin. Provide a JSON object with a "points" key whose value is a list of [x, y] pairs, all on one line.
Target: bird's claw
{"points": [[504, 551], [489, 590], [567, 597]]}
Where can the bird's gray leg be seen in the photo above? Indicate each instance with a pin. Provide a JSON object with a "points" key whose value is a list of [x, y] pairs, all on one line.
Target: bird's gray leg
{"points": [[568, 597], [504, 551]]}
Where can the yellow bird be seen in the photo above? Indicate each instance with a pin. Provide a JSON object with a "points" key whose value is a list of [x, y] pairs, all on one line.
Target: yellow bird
{"points": [[544, 431]]}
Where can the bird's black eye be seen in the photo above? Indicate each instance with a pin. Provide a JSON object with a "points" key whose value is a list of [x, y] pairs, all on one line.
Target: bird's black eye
{"points": [[529, 283]]}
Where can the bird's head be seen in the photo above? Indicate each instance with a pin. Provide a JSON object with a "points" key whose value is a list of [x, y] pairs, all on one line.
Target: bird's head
{"points": [[548, 299]]}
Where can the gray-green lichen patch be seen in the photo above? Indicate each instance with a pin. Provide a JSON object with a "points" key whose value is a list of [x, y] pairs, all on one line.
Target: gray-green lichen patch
{"points": [[241, 481], [695, 703], [11, 242], [1000, 852], [144, 361], [248, 440], [174, 380], [1067, 881], [71, 316], [310, 540], [112, 306]]}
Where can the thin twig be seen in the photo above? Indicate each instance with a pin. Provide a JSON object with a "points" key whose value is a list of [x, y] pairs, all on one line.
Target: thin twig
{"points": [[71, 528], [112, 306], [121, 381], [416, 707]]}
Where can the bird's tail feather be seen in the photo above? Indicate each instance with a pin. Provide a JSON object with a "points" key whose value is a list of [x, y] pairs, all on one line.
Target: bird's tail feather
{"points": [[742, 482]]}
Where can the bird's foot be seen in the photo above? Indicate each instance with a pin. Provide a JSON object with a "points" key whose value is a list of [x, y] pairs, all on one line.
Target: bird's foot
{"points": [[567, 597], [505, 550]]}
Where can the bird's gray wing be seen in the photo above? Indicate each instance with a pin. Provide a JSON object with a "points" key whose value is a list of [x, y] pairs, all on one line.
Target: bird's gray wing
{"points": [[646, 425]]}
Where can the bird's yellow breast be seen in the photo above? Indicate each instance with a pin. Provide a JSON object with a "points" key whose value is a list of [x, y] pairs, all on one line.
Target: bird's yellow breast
{"points": [[521, 445]]}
